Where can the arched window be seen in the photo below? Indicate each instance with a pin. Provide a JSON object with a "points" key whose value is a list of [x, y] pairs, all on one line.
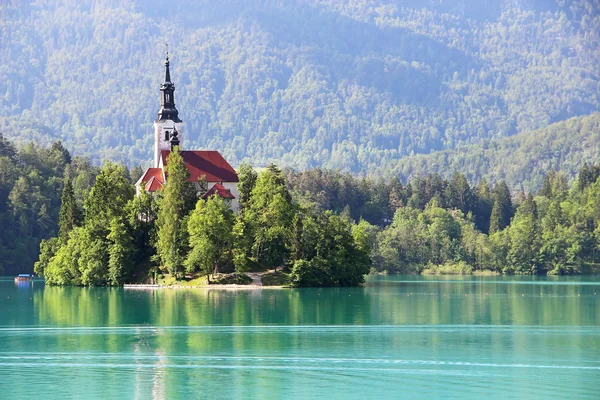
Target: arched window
{"points": [[167, 98], [166, 135]]}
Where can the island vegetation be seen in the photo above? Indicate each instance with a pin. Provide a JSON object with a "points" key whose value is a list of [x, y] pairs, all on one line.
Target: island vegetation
{"points": [[118, 237], [317, 227]]}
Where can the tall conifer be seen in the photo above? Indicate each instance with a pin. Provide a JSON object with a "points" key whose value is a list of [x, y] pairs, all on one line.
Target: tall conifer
{"points": [[172, 244], [70, 215]]}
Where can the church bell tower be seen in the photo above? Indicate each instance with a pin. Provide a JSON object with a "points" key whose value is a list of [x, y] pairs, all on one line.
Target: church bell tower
{"points": [[168, 123]]}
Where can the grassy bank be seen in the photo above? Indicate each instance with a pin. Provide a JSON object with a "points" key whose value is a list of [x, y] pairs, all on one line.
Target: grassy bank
{"points": [[459, 268], [198, 281], [278, 278]]}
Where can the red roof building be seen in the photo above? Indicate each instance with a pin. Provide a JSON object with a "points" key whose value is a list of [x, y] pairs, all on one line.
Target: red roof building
{"points": [[153, 179], [207, 163], [219, 190]]}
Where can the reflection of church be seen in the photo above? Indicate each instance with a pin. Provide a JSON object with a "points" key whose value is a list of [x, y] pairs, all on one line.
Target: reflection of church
{"points": [[221, 178]]}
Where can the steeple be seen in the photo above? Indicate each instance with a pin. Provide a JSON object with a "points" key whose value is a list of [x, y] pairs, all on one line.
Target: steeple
{"points": [[167, 72], [167, 109]]}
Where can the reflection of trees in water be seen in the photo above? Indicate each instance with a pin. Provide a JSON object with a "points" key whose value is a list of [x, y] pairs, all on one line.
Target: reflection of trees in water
{"points": [[172, 338]]}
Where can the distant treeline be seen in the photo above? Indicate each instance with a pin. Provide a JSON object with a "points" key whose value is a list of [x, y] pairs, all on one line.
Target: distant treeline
{"points": [[434, 225]]}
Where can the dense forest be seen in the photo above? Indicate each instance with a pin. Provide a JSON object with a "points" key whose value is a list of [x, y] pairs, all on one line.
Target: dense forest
{"points": [[435, 225], [522, 160], [353, 85], [428, 225], [31, 183]]}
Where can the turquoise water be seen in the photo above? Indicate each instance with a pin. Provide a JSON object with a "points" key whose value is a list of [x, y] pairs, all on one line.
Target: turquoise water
{"points": [[398, 337]]}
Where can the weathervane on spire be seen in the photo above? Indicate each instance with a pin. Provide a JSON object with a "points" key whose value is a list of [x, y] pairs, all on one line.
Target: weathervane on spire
{"points": [[167, 45]]}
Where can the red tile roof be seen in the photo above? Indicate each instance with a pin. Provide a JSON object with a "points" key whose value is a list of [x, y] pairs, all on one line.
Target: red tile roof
{"points": [[211, 164], [153, 185], [220, 190], [153, 179]]}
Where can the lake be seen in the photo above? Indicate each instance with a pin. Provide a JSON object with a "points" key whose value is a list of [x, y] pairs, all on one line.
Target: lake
{"points": [[398, 337]]}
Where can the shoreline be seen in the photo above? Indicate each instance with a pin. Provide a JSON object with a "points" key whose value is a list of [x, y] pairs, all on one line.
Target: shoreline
{"points": [[218, 287]]}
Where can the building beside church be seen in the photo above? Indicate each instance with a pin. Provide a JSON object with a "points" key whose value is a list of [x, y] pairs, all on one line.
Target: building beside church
{"points": [[220, 177]]}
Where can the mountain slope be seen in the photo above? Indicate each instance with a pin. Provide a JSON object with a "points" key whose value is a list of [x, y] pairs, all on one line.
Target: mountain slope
{"points": [[522, 160], [351, 85]]}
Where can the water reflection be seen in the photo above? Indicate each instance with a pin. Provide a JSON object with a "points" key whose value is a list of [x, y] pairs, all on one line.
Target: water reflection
{"points": [[418, 335]]}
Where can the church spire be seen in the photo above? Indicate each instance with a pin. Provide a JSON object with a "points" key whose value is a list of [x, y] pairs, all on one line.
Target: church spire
{"points": [[167, 109], [167, 72]]}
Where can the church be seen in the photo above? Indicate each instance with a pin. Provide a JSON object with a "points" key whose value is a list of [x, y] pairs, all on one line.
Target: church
{"points": [[220, 177]]}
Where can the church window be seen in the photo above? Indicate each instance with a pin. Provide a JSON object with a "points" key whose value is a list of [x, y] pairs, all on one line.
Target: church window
{"points": [[166, 135], [168, 98]]}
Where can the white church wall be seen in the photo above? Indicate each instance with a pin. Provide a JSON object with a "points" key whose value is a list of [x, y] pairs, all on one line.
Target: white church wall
{"points": [[232, 187], [160, 127]]}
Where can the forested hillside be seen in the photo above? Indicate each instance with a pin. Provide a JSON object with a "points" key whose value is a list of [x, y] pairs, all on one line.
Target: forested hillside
{"points": [[522, 161], [31, 181], [352, 85]]}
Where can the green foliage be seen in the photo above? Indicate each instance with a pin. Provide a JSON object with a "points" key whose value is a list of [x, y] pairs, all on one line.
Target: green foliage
{"points": [[313, 273], [121, 252], [31, 181], [70, 215], [502, 210], [284, 225], [277, 278], [211, 237], [48, 249], [333, 251], [232, 279], [523, 161], [354, 85], [108, 197], [269, 216], [554, 233], [449, 268], [174, 206], [247, 180]]}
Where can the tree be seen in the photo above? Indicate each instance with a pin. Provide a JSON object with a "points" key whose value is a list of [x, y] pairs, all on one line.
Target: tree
{"points": [[108, 198], [121, 252], [70, 215], [502, 209], [142, 213], [211, 237], [483, 208], [48, 249], [171, 244], [524, 239], [459, 193], [247, 180], [270, 215]]}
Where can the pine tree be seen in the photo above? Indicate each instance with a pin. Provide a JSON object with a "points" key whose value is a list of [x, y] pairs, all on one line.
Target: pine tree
{"points": [[172, 244], [397, 194], [459, 193], [484, 205], [502, 210], [70, 215]]}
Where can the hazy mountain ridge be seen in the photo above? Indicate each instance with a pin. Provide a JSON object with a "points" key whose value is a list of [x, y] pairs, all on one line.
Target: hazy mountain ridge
{"points": [[522, 160], [304, 83]]}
